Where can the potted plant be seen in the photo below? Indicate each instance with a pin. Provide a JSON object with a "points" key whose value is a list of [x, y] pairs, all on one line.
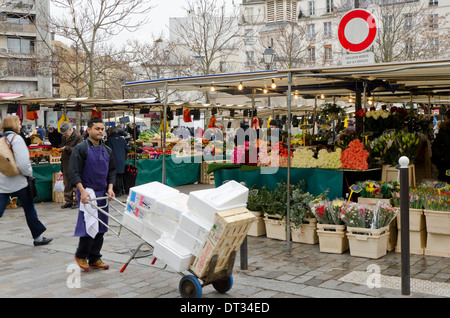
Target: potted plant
{"points": [[303, 223], [274, 208], [255, 205], [437, 216], [368, 229], [330, 227], [389, 147]]}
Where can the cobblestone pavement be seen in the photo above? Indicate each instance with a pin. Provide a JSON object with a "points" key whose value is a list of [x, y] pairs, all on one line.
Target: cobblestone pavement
{"points": [[48, 271]]}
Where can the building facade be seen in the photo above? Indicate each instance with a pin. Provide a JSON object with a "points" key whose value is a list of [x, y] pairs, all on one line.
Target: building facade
{"points": [[24, 51]]}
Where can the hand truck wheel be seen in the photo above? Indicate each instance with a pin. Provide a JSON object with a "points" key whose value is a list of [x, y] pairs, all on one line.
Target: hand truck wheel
{"points": [[190, 287], [223, 285]]}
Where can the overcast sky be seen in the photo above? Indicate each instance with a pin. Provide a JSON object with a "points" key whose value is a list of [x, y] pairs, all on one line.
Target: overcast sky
{"points": [[159, 19]]}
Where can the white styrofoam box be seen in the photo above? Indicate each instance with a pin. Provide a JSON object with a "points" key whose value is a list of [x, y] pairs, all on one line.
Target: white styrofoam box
{"points": [[174, 255], [205, 203], [138, 211], [146, 194], [172, 207], [135, 224], [188, 241], [195, 226], [167, 225], [151, 233]]}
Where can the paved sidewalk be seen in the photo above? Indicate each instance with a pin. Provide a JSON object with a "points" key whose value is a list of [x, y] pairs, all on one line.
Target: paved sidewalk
{"points": [[48, 271]]}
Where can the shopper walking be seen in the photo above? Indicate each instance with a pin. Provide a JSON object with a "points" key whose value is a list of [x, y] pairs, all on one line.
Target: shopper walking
{"points": [[120, 149], [440, 154], [17, 186], [92, 170], [70, 138]]}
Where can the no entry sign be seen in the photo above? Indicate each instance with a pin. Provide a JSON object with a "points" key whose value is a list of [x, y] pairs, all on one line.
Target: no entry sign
{"points": [[357, 30]]}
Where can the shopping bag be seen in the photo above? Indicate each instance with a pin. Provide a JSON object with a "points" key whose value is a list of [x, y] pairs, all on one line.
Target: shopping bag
{"points": [[59, 183], [129, 178]]}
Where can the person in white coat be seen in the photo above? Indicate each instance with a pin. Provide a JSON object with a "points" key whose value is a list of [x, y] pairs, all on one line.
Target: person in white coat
{"points": [[17, 186]]}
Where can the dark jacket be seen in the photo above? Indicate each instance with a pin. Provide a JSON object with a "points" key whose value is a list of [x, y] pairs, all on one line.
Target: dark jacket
{"points": [[55, 138], [78, 161], [440, 153], [120, 149], [70, 143]]}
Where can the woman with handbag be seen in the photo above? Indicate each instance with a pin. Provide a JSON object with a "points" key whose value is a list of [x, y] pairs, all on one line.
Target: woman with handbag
{"points": [[18, 185]]}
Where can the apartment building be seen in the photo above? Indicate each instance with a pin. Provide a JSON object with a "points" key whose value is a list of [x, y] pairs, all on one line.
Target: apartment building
{"points": [[23, 54], [304, 33]]}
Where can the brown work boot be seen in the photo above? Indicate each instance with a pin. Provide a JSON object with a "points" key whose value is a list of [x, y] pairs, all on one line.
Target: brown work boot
{"points": [[82, 263], [99, 265]]}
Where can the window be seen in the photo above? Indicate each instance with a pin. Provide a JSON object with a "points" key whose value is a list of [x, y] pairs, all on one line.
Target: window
{"points": [[408, 21], [311, 8], [327, 53], [327, 29], [310, 30], [409, 49], [22, 46], [388, 23], [433, 3], [434, 44], [311, 54], [250, 57], [433, 20], [330, 6]]}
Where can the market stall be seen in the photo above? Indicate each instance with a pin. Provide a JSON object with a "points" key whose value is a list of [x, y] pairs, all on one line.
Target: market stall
{"points": [[383, 83]]}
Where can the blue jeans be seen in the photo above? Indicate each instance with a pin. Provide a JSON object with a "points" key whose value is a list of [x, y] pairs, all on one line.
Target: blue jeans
{"points": [[35, 226]]}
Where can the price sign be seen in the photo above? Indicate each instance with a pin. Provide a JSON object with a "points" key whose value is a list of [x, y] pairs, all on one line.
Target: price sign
{"points": [[354, 189], [439, 186]]}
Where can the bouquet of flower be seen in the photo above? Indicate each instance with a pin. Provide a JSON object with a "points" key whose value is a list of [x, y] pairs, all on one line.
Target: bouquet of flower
{"points": [[238, 155], [435, 202], [329, 160], [376, 189], [327, 212], [355, 157], [356, 215], [304, 158], [382, 216]]}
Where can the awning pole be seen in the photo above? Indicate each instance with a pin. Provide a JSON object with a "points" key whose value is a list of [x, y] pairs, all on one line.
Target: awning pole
{"points": [[288, 223], [164, 134], [134, 136]]}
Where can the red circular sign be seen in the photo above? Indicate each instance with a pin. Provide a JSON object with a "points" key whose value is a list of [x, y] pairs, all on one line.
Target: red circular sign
{"points": [[364, 43]]}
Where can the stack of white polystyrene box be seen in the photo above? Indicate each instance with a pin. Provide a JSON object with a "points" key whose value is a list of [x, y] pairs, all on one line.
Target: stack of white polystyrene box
{"points": [[141, 202], [176, 224]]}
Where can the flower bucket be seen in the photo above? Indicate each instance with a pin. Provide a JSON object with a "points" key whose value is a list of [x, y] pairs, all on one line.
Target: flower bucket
{"points": [[306, 233], [258, 228], [437, 222], [438, 245], [416, 220], [275, 227], [417, 242], [438, 233], [369, 243], [332, 238]]}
